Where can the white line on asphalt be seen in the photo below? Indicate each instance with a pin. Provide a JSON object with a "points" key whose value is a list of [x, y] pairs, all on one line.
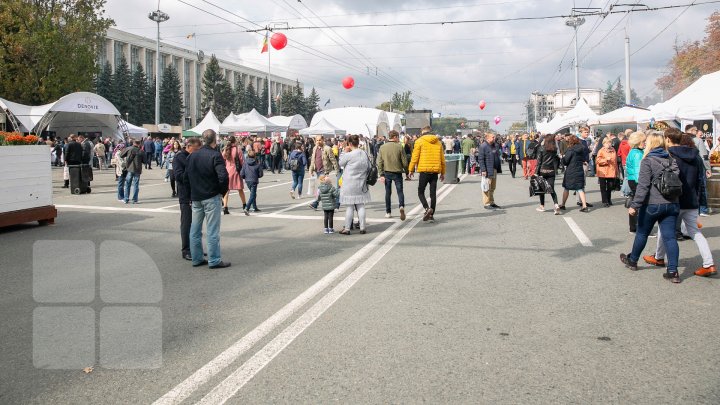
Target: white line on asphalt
{"points": [[584, 240], [169, 206], [233, 383], [191, 384], [310, 217], [292, 207], [126, 209]]}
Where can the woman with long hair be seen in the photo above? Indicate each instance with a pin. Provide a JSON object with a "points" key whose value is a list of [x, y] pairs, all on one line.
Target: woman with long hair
{"points": [[548, 162], [651, 207], [169, 157], [574, 179], [636, 142], [233, 155]]}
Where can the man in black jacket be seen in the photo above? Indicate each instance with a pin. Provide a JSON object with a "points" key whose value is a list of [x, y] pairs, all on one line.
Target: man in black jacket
{"points": [[179, 167], [490, 165], [208, 181]]}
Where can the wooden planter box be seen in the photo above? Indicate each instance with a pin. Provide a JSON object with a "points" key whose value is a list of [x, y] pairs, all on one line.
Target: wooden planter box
{"points": [[26, 185]]}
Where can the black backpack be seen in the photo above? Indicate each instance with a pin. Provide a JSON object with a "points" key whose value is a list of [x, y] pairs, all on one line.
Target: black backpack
{"points": [[372, 174], [532, 149], [668, 182]]}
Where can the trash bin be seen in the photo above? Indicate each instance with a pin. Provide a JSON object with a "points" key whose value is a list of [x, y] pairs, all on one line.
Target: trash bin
{"points": [[453, 162], [80, 177], [713, 188]]}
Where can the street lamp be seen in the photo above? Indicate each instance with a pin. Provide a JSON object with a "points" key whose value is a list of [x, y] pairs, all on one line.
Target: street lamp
{"points": [[158, 16], [575, 22], [127, 115]]}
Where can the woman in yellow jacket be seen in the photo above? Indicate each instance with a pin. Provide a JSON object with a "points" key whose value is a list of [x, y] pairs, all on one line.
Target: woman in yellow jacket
{"points": [[428, 159], [607, 171]]}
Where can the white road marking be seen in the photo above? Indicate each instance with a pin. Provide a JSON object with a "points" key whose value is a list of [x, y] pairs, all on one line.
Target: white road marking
{"points": [[317, 218], [117, 209], [233, 383], [292, 207], [169, 206], [584, 240], [191, 384]]}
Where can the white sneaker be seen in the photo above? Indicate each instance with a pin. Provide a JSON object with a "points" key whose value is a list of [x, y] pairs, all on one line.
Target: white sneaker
{"points": [[704, 214], [292, 195], [540, 209], [166, 180], [388, 215]]}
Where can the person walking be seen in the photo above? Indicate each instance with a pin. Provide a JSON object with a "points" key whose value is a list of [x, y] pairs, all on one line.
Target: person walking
{"points": [[86, 169], [179, 168], [513, 146], [704, 155], [322, 162], [251, 173], [168, 161], [466, 146], [392, 165], [149, 149], [354, 193], [574, 178], [428, 159], [652, 206], [298, 164], [636, 142], [607, 170], [525, 155], [490, 166], [208, 178], [100, 154], [548, 163], [276, 154], [135, 159], [233, 156], [120, 172], [327, 196]]}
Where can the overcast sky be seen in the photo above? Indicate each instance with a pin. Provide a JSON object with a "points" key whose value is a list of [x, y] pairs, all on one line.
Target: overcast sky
{"points": [[449, 68]]}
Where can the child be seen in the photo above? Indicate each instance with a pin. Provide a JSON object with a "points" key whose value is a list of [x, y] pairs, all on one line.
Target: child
{"points": [[327, 196], [251, 172]]}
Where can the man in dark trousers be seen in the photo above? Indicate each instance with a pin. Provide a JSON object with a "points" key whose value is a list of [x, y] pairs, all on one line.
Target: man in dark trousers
{"points": [[149, 148], [179, 167], [73, 154], [208, 180], [490, 166]]}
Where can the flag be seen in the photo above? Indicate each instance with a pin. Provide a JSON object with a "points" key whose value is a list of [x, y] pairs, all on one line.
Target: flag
{"points": [[265, 44], [191, 36], [326, 103]]}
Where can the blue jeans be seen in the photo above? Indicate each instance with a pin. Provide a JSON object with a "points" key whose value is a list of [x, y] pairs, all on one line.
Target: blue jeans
{"points": [[298, 178], [132, 179], [252, 201], [666, 216], [391, 178], [121, 188], [206, 210]]}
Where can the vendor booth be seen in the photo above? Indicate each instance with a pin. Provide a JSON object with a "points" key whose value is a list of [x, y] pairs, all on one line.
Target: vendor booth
{"points": [[251, 122], [324, 128], [356, 120], [133, 131], [292, 124], [209, 122], [82, 112]]}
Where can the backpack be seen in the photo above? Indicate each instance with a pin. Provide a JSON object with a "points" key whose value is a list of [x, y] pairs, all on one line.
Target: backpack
{"points": [[295, 163], [532, 149], [372, 174], [668, 182]]}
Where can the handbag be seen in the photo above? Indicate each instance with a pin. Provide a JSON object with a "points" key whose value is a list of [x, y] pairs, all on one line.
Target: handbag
{"points": [[628, 200], [238, 163], [372, 174], [535, 186]]}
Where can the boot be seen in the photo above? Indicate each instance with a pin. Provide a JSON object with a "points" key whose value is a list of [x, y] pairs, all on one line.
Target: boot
{"points": [[67, 184]]}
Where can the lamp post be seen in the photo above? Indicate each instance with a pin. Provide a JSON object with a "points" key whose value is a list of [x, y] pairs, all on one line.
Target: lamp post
{"points": [[158, 16], [127, 117], [575, 22]]}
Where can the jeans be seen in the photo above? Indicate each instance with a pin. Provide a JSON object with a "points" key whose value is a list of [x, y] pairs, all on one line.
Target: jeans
{"points": [[591, 167], [209, 210], [298, 178], [121, 187], [158, 158], [689, 221], [390, 178], [423, 181], [466, 159], [665, 215], [132, 179], [252, 201], [350, 214]]}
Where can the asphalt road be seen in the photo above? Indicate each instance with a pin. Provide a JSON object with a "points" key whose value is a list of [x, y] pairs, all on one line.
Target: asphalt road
{"points": [[482, 306]]}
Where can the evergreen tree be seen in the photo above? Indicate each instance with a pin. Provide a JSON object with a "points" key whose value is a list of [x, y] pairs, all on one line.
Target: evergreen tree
{"points": [[139, 95], [171, 103], [239, 98], [294, 102], [150, 102], [217, 94], [104, 82], [312, 105], [264, 103], [121, 87], [251, 98]]}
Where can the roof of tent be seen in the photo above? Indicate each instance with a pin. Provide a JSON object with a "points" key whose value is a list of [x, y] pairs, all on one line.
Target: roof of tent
{"points": [[322, 127], [294, 122], [28, 116], [394, 121], [356, 120], [209, 122], [81, 112], [134, 131], [626, 114], [581, 113], [550, 127], [697, 102], [250, 122]]}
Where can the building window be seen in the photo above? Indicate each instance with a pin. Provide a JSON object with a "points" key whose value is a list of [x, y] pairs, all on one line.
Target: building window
{"points": [[198, 94], [150, 65], [186, 88], [119, 48], [102, 54], [163, 66], [134, 58]]}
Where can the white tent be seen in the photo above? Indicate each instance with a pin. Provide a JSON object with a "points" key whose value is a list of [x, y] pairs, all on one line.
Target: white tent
{"points": [[27, 116], [81, 112], [394, 121], [294, 122], [134, 131], [356, 120], [580, 114], [551, 127], [624, 115], [250, 122], [323, 127], [697, 102], [209, 122]]}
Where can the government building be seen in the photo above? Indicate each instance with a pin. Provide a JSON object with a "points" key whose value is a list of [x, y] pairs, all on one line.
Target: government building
{"points": [[190, 66]]}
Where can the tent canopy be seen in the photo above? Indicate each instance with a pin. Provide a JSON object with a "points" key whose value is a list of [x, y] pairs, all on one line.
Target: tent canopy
{"points": [[624, 115], [294, 122], [209, 122], [580, 114], [697, 102], [81, 112], [394, 121], [250, 122], [323, 127], [134, 131], [356, 120], [26, 115]]}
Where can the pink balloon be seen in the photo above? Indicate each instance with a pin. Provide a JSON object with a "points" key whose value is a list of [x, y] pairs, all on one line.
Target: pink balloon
{"points": [[497, 120], [482, 104]]}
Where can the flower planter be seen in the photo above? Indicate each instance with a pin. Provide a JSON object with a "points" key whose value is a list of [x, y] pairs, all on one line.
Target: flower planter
{"points": [[26, 185]]}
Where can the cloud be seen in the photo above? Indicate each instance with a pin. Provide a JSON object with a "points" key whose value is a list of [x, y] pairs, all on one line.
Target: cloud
{"points": [[449, 68]]}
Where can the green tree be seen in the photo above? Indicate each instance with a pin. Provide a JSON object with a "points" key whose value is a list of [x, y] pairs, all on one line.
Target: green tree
{"points": [[447, 126], [239, 98], [104, 82], [121, 90], [264, 103], [294, 102], [402, 102], [217, 94], [139, 95], [385, 106], [312, 105], [150, 102], [251, 98], [48, 48], [171, 103]]}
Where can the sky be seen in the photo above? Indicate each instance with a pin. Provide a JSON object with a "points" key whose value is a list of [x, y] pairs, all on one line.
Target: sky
{"points": [[449, 68]]}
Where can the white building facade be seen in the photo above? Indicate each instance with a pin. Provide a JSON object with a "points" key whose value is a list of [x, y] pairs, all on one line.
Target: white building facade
{"points": [[190, 66]]}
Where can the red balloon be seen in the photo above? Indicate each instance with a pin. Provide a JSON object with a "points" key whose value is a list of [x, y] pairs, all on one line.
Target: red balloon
{"points": [[482, 104], [278, 40], [348, 82]]}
